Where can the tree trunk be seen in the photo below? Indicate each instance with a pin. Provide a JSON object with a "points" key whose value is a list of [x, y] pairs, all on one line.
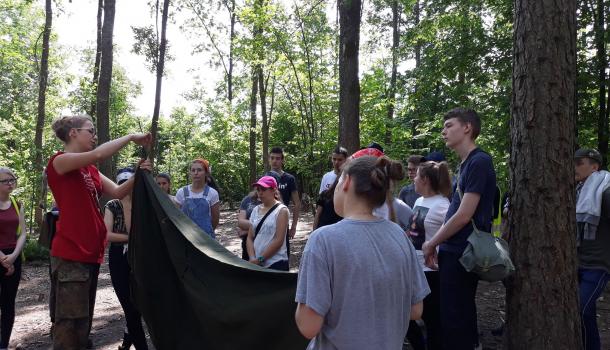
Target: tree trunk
{"points": [[98, 55], [416, 113], [349, 85], [602, 62], [42, 97], [231, 47], [253, 128], [262, 90], [160, 67], [542, 215], [103, 87], [392, 88]]}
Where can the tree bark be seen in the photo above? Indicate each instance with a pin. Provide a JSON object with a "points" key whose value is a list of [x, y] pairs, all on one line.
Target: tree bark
{"points": [[602, 64], [262, 90], [392, 88], [253, 93], [160, 67], [98, 55], [231, 47], [349, 85], [42, 97], [103, 87], [542, 215], [416, 114]]}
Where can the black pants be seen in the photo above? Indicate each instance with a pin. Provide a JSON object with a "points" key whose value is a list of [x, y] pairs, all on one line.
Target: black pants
{"points": [[244, 248], [281, 265], [119, 274], [8, 292], [431, 318]]}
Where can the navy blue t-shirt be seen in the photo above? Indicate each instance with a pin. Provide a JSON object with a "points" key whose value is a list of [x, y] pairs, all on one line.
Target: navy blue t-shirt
{"points": [[477, 175], [287, 185]]}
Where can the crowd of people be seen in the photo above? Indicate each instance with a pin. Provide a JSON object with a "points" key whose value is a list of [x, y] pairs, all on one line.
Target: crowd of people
{"points": [[377, 271]]}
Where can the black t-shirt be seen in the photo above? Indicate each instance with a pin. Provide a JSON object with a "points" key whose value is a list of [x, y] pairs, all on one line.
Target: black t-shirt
{"points": [[328, 216], [286, 186], [477, 175], [248, 204]]}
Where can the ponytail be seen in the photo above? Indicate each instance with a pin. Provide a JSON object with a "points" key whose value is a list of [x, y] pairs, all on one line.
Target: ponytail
{"points": [[373, 177], [438, 176]]}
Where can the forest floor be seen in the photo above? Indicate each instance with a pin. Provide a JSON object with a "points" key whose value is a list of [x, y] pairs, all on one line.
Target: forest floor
{"points": [[32, 323]]}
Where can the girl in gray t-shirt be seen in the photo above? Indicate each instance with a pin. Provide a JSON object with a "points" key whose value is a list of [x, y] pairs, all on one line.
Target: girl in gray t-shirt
{"points": [[360, 282]]}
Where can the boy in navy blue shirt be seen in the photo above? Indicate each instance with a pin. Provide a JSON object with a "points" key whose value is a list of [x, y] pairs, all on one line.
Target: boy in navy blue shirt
{"points": [[477, 181]]}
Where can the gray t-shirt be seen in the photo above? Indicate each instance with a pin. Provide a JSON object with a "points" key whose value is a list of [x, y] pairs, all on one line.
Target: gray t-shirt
{"points": [[362, 277]]}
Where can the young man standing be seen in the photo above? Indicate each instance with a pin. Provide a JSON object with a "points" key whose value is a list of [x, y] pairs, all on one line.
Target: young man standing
{"points": [[407, 193], [338, 158], [593, 238], [287, 185], [477, 182]]}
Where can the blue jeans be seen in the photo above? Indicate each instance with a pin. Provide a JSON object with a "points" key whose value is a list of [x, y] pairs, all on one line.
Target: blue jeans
{"points": [[591, 284], [458, 289]]}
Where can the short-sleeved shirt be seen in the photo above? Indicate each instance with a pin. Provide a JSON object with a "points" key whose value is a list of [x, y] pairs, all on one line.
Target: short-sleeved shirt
{"points": [[248, 204], [362, 277], [286, 186], [595, 254], [81, 233], [212, 196], [401, 209], [328, 216], [476, 175], [428, 217], [327, 180], [408, 195]]}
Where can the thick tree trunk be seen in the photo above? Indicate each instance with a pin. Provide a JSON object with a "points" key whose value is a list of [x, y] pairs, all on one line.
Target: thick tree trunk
{"points": [[602, 62], [349, 85], [103, 87], [253, 93], [98, 55], [42, 97], [160, 67], [392, 88], [262, 90], [542, 215]]}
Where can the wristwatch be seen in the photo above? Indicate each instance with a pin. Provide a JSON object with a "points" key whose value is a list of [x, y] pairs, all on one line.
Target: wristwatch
{"points": [[261, 259]]}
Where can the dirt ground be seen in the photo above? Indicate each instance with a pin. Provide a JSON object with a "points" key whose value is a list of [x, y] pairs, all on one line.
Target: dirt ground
{"points": [[32, 323]]}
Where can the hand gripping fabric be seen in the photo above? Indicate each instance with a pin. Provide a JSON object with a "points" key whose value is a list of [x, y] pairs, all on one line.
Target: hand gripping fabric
{"points": [[195, 294]]}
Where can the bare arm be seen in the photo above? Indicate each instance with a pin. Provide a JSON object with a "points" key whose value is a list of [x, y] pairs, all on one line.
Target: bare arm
{"points": [[250, 243], [115, 191], [417, 310], [316, 218], [215, 215], [308, 321], [71, 161], [295, 213], [111, 235]]}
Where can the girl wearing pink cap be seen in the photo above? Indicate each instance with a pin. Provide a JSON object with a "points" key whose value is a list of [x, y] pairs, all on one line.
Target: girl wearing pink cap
{"points": [[268, 230]]}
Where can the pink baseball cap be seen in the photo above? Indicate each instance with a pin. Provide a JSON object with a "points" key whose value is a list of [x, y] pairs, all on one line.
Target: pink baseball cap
{"points": [[266, 182]]}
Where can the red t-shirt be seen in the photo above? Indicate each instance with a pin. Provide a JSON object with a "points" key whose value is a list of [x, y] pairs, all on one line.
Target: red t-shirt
{"points": [[81, 233], [9, 223]]}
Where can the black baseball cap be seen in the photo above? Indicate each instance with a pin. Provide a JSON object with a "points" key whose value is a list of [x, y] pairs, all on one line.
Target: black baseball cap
{"points": [[589, 153]]}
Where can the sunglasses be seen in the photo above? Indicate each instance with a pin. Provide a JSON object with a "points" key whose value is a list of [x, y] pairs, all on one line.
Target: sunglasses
{"points": [[90, 130], [11, 181]]}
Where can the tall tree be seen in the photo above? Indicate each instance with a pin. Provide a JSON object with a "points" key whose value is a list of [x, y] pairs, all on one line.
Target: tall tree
{"points": [[392, 88], [602, 65], [105, 79], [542, 213], [98, 54], [252, 134], [42, 91], [160, 68], [349, 85]]}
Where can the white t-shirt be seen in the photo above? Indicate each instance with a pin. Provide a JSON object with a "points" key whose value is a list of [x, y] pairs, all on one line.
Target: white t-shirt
{"points": [[428, 217], [212, 196], [327, 180], [401, 209], [266, 233]]}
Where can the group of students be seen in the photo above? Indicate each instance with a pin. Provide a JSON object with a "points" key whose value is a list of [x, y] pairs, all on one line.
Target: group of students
{"points": [[373, 265]]}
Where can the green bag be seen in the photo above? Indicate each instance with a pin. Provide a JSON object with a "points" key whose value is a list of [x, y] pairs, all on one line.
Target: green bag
{"points": [[486, 255]]}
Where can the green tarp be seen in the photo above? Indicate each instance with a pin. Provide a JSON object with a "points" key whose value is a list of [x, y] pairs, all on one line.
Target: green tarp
{"points": [[195, 294]]}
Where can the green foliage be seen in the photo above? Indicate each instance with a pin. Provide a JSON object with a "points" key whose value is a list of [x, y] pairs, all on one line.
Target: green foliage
{"points": [[34, 251]]}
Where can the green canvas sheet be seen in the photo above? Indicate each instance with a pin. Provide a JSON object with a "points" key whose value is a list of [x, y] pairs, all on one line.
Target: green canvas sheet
{"points": [[195, 294]]}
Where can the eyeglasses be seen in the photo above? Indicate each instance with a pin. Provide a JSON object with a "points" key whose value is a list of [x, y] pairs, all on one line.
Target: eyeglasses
{"points": [[90, 130], [9, 182]]}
